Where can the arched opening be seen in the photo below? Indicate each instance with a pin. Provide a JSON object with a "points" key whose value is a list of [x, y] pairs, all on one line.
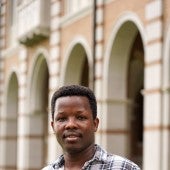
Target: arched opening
{"points": [[118, 104], [10, 123], [77, 70], [38, 105], [135, 86]]}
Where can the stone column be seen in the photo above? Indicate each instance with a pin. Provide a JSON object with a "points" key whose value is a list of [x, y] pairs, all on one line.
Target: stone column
{"points": [[22, 149], [54, 71], [152, 93], [3, 34], [99, 60]]}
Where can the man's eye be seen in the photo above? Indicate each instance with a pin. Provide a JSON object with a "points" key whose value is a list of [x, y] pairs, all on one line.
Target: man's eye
{"points": [[81, 117], [61, 119]]}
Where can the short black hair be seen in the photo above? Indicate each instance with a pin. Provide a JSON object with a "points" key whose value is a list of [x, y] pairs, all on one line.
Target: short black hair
{"points": [[75, 90]]}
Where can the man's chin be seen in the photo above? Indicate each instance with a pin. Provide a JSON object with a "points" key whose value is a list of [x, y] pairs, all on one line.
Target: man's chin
{"points": [[73, 149]]}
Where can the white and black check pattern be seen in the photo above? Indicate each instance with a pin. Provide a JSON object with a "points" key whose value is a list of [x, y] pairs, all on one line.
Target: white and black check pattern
{"points": [[100, 161]]}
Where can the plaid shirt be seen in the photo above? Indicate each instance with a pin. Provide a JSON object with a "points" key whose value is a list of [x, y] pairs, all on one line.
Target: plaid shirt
{"points": [[100, 161]]}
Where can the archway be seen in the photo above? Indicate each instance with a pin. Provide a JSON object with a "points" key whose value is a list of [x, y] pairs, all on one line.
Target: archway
{"points": [[118, 103], [10, 123], [77, 70], [38, 116]]}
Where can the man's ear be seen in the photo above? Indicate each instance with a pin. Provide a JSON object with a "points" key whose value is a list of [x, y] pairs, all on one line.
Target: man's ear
{"points": [[52, 124], [96, 123]]}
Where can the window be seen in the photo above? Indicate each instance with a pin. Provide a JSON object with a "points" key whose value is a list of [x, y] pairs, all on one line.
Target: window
{"points": [[11, 12], [73, 6]]}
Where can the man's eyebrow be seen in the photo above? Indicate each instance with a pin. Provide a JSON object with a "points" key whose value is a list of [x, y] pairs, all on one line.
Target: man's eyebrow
{"points": [[60, 112]]}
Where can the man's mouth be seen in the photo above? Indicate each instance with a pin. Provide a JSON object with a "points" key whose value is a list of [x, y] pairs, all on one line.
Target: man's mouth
{"points": [[72, 137]]}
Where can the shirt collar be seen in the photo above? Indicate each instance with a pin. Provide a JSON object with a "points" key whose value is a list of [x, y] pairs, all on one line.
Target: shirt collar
{"points": [[99, 155], [59, 162]]}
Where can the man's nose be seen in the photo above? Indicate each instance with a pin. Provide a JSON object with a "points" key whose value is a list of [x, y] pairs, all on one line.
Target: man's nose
{"points": [[71, 123]]}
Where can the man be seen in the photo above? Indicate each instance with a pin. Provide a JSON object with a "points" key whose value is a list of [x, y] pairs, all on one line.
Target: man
{"points": [[74, 121]]}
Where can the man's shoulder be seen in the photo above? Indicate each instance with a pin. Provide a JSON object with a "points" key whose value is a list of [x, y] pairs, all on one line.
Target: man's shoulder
{"points": [[111, 160], [125, 163], [58, 164]]}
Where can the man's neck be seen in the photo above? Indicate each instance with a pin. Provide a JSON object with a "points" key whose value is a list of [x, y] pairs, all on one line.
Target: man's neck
{"points": [[76, 160]]}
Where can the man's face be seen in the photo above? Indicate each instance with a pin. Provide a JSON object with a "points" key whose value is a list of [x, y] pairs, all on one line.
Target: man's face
{"points": [[73, 123]]}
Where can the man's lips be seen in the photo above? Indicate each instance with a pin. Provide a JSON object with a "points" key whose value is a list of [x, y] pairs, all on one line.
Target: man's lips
{"points": [[72, 136]]}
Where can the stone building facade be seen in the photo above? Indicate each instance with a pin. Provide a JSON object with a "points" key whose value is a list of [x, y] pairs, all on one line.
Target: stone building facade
{"points": [[119, 48]]}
